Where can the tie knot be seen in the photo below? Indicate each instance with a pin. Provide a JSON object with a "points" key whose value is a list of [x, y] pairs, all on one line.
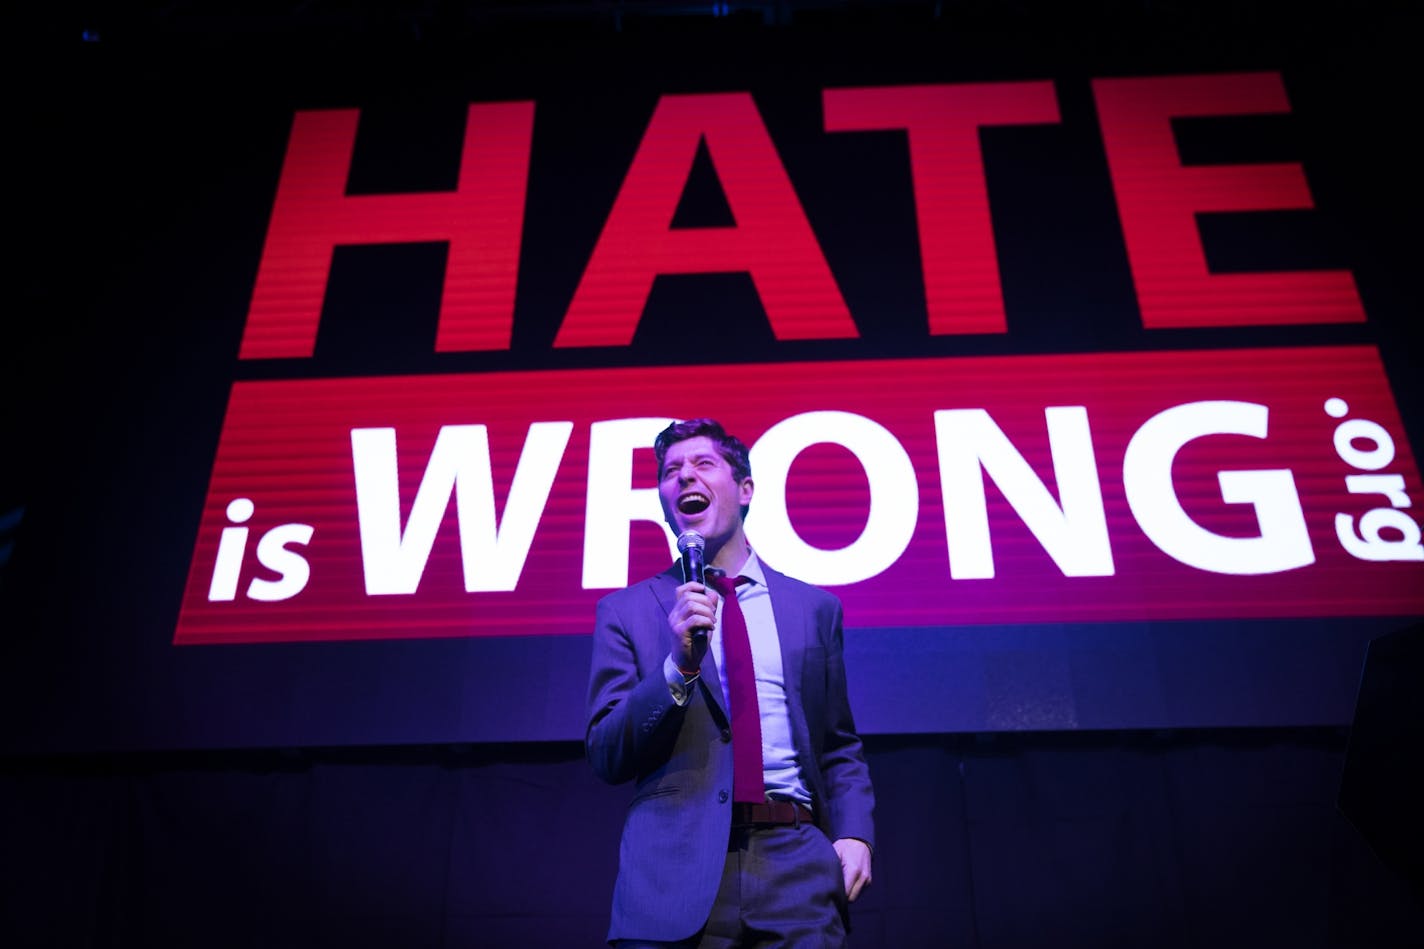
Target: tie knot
{"points": [[725, 585]]}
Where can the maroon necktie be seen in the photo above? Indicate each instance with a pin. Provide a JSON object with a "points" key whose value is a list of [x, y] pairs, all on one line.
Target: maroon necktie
{"points": [[747, 781]]}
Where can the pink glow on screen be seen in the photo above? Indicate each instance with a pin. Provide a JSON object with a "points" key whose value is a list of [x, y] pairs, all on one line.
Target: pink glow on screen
{"points": [[868, 481], [1159, 199]]}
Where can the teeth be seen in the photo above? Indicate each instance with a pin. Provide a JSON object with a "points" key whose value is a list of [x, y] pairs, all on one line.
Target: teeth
{"points": [[693, 503]]}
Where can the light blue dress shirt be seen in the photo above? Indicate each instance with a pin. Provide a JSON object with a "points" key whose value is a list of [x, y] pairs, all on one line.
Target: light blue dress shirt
{"points": [[782, 773]]}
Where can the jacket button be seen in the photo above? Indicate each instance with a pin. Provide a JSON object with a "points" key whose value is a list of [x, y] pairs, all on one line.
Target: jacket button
{"points": [[722, 796], [726, 735]]}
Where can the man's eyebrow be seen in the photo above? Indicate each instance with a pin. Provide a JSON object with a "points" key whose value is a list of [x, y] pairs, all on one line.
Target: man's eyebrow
{"points": [[695, 456]]}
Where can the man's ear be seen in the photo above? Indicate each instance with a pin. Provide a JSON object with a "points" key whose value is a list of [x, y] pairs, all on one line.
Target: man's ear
{"points": [[744, 492]]}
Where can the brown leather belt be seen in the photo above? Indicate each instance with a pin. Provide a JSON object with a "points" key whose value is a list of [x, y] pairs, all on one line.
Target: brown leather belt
{"points": [[771, 813]]}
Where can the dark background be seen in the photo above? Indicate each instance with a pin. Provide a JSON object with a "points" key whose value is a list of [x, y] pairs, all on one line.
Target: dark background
{"points": [[151, 801]]}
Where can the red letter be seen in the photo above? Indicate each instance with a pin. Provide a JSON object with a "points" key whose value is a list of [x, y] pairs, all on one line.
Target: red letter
{"points": [[1158, 199], [482, 219], [961, 269], [771, 239]]}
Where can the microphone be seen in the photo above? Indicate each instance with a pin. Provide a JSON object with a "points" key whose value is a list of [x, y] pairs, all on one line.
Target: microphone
{"points": [[691, 545]]}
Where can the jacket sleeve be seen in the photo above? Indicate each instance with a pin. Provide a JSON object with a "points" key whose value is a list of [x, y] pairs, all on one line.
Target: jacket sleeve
{"points": [[849, 796], [632, 719]]}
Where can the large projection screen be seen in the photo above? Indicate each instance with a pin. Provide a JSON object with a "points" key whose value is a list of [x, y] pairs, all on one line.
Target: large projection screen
{"points": [[1087, 378]]}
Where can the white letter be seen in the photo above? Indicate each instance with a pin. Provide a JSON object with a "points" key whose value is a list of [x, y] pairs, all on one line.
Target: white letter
{"points": [[612, 504], [1075, 535], [1347, 433], [894, 498], [492, 553], [1369, 545], [1283, 544], [231, 548], [1390, 485], [291, 566]]}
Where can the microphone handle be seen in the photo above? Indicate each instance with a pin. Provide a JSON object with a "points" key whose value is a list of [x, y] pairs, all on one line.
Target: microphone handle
{"points": [[694, 569]]}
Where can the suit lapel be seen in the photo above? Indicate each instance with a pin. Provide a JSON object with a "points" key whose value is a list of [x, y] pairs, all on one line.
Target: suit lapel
{"points": [[796, 627], [792, 628]]}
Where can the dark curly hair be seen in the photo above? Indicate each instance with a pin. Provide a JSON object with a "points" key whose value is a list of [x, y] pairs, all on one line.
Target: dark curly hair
{"points": [[730, 446]]}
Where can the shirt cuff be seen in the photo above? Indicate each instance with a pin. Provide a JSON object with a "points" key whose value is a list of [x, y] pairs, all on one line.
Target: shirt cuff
{"points": [[679, 686]]}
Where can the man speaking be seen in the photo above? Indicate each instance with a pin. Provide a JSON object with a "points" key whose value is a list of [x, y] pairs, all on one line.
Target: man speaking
{"points": [[726, 702]]}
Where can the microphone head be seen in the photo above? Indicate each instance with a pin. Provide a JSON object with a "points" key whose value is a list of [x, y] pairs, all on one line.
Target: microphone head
{"points": [[690, 540]]}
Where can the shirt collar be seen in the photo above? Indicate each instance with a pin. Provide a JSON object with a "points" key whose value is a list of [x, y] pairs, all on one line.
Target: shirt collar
{"points": [[752, 570]]}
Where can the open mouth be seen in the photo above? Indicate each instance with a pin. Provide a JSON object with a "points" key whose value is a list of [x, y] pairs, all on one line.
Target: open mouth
{"points": [[693, 503]]}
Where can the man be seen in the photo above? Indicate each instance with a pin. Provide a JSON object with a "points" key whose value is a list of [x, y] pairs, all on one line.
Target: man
{"points": [[698, 865]]}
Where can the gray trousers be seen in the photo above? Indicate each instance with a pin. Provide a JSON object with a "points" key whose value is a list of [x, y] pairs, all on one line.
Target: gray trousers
{"points": [[781, 887]]}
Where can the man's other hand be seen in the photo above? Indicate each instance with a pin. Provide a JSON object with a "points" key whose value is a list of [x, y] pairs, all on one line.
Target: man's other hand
{"points": [[855, 865]]}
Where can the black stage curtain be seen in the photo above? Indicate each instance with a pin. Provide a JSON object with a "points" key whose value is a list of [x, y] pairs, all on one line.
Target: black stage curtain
{"points": [[1097, 840]]}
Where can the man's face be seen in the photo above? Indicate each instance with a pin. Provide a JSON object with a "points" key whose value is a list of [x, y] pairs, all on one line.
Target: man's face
{"points": [[698, 490]]}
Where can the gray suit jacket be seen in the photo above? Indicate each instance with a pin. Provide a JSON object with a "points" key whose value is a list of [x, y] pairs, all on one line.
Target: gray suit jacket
{"points": [[675, 833]]}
